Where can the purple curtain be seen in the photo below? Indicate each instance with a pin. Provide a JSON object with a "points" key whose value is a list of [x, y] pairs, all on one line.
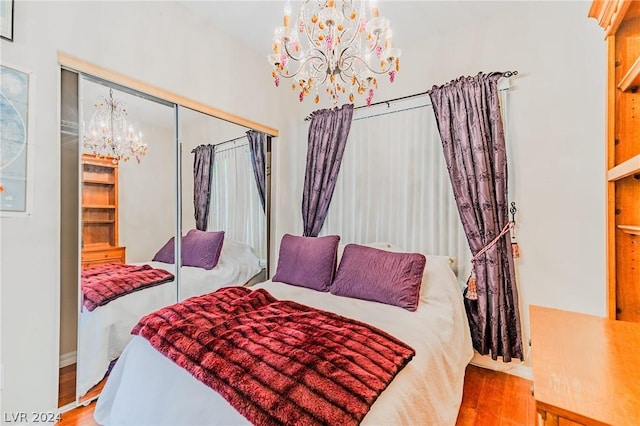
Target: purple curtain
{"points": [[202, 164], [467, 111], [257, 144], [328, 134]]}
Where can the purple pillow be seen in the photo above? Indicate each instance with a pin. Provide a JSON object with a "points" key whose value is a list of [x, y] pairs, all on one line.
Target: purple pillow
{"points": [[202, 249], [307, 261], [380, 276], [166, 253]]}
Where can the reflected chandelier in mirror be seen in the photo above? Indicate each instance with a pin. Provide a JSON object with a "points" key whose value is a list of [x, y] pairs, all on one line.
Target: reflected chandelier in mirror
{"points": [[109, 134]]}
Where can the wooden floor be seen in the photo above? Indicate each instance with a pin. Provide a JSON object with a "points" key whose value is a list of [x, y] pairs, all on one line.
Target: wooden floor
{"points": [[489, 398], [494, 398], [67, 385]]}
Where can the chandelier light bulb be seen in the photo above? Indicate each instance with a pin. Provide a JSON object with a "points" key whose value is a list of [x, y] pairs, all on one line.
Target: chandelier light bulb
{"points": [[373, 6], [339, 45]]}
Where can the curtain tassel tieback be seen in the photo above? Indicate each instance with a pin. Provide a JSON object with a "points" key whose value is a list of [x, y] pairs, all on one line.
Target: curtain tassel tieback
{"points": [[472, 291], [515, 248]]}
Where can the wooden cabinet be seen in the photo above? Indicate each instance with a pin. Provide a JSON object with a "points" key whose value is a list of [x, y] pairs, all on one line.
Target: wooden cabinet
{"points": [[586, 369], [100, 212], [621, 22], [103, 255]]}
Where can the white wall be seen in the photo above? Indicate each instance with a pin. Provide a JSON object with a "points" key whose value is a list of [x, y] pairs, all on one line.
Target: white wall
{"points": [[146, 193], [137, 39], [556, 142]]}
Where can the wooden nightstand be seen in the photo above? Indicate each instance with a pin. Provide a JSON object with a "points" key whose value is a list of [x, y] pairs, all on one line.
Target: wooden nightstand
{"points": [[586, 369], [97, 256]]}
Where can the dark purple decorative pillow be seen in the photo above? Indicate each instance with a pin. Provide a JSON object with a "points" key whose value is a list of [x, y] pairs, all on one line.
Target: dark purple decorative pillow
{"points": [[380, 276], [166, 253], [307, 261], [201, 248]]}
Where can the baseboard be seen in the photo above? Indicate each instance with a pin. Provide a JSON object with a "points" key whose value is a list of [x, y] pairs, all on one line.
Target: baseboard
{"points": [[515, 367], [68, 359]]}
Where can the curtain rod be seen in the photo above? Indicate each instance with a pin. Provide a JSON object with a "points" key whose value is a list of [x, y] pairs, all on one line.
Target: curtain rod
{"points": [[506, 74], [232, 147], [230, 140], [220, 143]]}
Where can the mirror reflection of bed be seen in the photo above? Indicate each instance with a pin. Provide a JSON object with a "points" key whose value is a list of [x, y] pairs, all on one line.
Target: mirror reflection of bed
{"points": [[129, 214]]}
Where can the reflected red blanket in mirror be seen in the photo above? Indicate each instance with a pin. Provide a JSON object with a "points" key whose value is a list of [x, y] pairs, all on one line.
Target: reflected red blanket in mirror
{"points": [[278, 362], [104, 283]]}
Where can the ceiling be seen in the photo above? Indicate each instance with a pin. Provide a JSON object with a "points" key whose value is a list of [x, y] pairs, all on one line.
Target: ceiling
{"points": [[253, 22]]}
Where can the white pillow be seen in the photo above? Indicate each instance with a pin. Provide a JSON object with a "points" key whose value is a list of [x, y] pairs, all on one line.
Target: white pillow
{"points": [[237, 251], [450, 260]]}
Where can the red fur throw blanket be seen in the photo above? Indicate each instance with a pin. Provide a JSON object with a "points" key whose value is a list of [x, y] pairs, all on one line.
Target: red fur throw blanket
{"points": [[103, 283], [278, 362]]}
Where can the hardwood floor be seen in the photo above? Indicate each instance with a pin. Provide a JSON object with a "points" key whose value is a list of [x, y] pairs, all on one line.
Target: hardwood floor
{"points": [[67, 394], [81, 416], [67, 385], [495, 398], [490, 398]]}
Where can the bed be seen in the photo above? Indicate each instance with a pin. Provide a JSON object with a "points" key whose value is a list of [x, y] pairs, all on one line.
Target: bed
{"points": [[147, 388], [105, 331]]}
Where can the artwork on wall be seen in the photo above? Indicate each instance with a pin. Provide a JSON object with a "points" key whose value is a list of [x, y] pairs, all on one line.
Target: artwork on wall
{"points": [[6, 19], [16, 87]]}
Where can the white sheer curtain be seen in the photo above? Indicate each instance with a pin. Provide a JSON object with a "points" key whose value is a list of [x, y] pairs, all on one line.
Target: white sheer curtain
{"points": [[393, 185], [235, 203]]}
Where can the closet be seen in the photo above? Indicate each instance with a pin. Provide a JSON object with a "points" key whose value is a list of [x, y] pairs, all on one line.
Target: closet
{"points": [[621, 21], [126, 212]]}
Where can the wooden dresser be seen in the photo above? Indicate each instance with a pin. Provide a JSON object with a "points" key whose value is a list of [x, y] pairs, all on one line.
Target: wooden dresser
{"points": [[100, 212], [586, 369]]}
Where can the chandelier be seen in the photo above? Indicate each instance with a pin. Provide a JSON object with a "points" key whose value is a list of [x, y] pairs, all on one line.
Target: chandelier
{"points": [[339, 45], [109, 135]]}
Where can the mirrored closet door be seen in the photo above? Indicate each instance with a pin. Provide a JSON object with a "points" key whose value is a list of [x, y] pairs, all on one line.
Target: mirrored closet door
{"points": [[231, 206], [123, 166], [132, 169]]}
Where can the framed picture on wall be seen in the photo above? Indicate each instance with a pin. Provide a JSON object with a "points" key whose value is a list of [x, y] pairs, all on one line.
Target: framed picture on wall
{"points": [[6, 19], [16, 131]]}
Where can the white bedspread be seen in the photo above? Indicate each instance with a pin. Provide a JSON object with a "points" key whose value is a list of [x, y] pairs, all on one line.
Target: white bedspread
{"points": [[104, 332], [145, 388]]}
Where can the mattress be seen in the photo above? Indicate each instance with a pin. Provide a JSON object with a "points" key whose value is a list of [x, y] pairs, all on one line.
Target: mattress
{"points": [[146, 388], [104, 332]]}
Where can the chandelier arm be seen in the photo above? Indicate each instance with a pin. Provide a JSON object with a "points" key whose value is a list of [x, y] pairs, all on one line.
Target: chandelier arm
{"points": [[302, 65], [286, 50], [353, 36], [382, 71], [306, 27], [374, 45], [321, 70], [357, 24]]}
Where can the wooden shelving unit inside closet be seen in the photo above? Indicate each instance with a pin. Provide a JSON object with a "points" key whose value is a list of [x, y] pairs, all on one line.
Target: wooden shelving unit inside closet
{"points": [[621, 22]]}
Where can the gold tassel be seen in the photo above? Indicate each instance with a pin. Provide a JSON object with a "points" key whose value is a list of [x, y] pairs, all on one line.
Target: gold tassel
{"points": [[515, 248], [472, 293]]}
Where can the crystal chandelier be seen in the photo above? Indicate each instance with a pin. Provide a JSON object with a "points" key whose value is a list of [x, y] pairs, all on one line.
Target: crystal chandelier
{"points": [[109, 135], [341, 45]]}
